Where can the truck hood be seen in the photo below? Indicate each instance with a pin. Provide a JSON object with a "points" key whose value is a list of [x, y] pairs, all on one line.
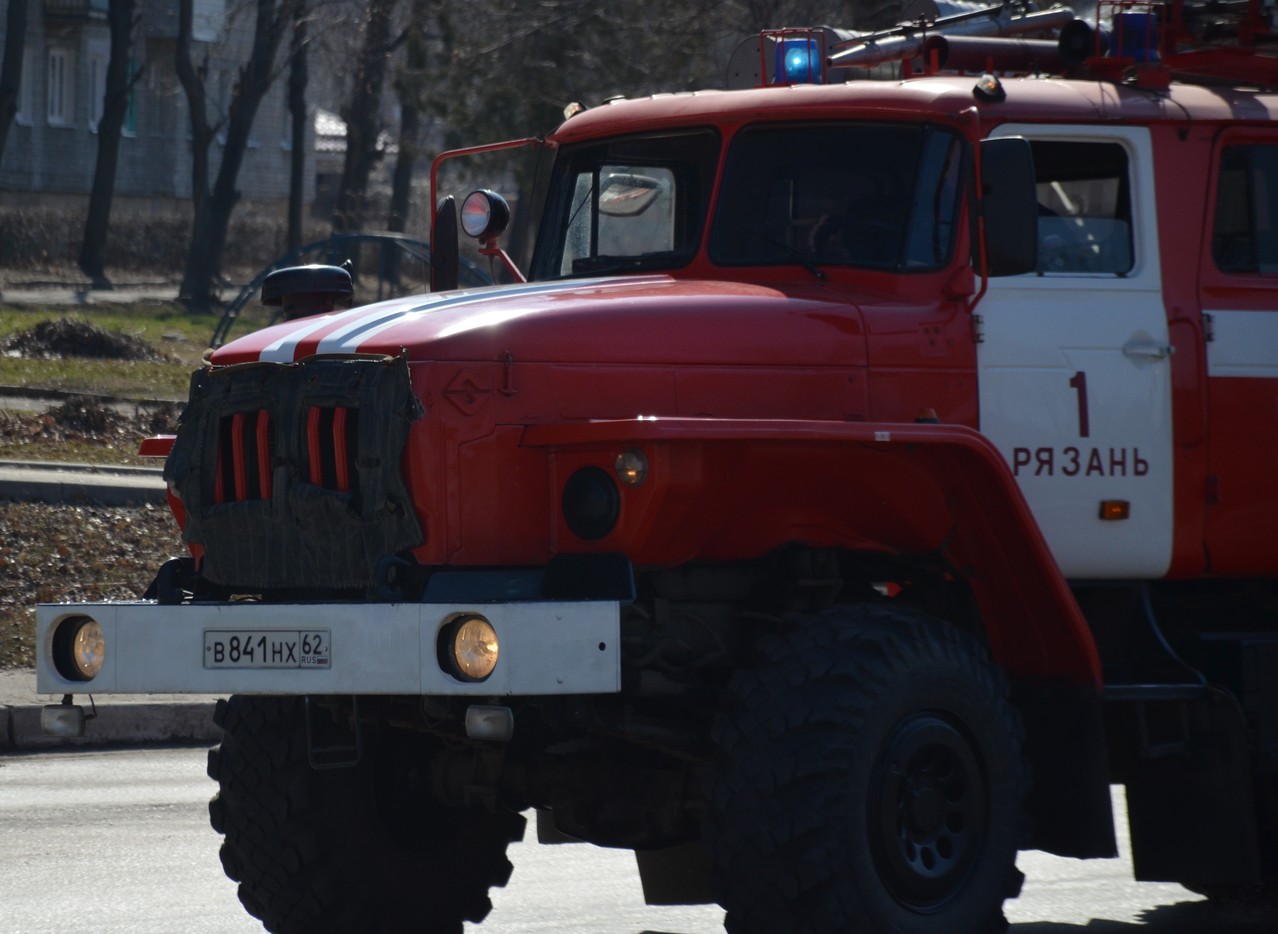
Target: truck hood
{"points": [[630, 320]]}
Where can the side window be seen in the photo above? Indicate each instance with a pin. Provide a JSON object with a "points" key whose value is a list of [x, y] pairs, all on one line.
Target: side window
{"points": [[620, 210], [1244, 237], [1084, 207]]}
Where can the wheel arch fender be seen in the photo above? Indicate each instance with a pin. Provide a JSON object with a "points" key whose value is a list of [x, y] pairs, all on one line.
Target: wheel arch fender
{"points": [[728, 487]]}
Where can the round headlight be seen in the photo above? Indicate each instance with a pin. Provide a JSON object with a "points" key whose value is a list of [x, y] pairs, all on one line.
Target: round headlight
{"points": [[591, 504], [484, 214], [79, 649], [475, 648], [632, 467]]}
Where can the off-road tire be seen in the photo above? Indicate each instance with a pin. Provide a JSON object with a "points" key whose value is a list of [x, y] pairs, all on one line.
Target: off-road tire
{"points": [[355, 850], [869, 779]]}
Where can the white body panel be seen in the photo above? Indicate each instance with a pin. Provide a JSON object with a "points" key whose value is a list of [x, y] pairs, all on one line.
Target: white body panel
{"points": [[545, 648], [1243, 343], [1075, 387]]}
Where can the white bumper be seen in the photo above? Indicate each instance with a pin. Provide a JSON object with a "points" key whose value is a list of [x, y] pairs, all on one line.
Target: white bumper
{"points": [[546, 648]]}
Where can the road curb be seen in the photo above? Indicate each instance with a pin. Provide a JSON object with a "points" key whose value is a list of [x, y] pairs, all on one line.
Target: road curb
{"points": [[61, 483], [114, 725], [62, 395]]}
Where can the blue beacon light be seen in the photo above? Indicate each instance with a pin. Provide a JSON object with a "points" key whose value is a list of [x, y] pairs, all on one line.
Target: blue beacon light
{"points": [[799, 61], [1138, 37]]}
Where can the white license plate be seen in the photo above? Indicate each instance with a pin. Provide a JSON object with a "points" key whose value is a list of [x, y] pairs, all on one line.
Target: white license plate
{"points": [[267, 648]]}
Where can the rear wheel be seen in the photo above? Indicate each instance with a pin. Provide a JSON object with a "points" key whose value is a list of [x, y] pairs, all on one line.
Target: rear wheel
{"points": [[870, 778], [358, 849]]}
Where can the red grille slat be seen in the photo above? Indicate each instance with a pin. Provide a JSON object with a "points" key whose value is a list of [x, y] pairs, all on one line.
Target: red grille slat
{"points": [[219, 492], [237, 456], [246, 453], [339, 450], [313, 446], [264, 454]]}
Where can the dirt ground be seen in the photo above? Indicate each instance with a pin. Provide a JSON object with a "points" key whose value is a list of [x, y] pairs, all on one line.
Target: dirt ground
{"points": [[53, 553], [74, 337]]}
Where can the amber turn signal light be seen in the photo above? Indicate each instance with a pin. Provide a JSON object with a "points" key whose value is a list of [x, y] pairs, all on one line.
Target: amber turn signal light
{"points": [[1114, 509]]}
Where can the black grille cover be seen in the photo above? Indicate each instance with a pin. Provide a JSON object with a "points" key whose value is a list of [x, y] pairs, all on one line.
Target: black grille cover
{"points": [[303, 534]]}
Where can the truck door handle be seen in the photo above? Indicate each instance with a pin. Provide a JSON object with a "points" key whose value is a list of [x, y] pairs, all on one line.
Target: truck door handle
{"points": [[1147, 350]]}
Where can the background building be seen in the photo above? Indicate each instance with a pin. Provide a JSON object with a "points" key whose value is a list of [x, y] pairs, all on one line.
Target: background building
{"points": [[52, 144]]}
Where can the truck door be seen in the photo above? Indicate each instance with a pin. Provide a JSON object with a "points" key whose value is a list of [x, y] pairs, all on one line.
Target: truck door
{"points": [[1075, 382]]}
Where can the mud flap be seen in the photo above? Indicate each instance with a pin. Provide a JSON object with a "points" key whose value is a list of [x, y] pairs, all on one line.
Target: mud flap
{"points": [[333, 739], [1190, 800], [1069, 801], [677, 875]]}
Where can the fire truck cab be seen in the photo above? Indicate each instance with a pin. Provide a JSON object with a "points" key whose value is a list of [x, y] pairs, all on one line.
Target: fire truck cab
{"points": [[859, 479]]}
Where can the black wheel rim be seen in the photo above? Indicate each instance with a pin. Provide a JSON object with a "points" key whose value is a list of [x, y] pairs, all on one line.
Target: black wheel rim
{"points": [[927, 812]]}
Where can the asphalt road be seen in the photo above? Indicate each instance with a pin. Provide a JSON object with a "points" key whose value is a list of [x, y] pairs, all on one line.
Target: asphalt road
{"points": [[109, 842]]}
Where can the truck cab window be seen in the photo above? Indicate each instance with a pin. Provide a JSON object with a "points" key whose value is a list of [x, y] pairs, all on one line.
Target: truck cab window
{"points": [[1245, 232], [879, 196], [630, 204], [619, 211], [1084, 207]]}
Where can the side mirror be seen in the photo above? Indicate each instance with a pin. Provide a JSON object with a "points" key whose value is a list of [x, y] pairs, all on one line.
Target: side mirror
{"points": [[1010, 206], [444, 256]]}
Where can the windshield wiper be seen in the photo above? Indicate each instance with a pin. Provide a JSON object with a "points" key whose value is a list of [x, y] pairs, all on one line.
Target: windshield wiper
{"points": [[788, 250], [604, 263]]}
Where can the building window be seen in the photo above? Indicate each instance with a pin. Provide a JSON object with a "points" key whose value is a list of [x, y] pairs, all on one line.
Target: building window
{"points": [[59, 87], [23, 116], [98, 52], [220, 103], [130, 127]]}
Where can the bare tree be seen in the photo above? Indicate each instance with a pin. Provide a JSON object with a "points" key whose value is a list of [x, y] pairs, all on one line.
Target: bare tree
{"points": [[566, 51], [213, 206], [410, 91], [363, 115], [115, 106], [297, 80], [15, 40]]}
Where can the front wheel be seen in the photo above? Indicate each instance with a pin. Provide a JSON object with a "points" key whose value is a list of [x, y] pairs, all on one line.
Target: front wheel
{"points": [[869, 779], [359, 850]]}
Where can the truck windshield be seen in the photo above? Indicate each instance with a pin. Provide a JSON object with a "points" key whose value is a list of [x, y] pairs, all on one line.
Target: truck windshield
{"points": [[879, 196], [635, 203]]}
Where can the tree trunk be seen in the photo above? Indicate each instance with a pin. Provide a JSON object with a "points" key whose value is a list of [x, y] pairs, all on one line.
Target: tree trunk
{"points": [[15, 35], [201, 136], [408, 89], [115, 107], [208, 236], [297, 80], [363, 116], [405, 165]]}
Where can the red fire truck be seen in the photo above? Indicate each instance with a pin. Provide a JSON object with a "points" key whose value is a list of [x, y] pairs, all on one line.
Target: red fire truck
{"points": [[859, 479]]}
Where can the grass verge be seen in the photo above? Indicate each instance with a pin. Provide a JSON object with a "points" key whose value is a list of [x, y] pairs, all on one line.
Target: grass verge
{"points": [[118, 378], [179, 336]]}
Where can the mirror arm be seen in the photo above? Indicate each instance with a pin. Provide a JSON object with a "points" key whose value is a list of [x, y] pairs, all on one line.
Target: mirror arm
{"points": [[492, 249]]}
